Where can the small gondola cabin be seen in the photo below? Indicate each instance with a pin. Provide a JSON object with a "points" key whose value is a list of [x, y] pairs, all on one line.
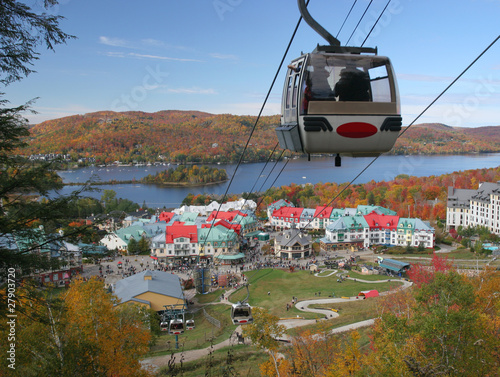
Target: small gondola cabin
{"points": [[241, 313]]}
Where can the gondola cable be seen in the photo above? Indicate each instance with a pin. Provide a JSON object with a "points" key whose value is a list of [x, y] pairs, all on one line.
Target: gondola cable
{"points": [[286, 51], [257, 120], [366, 10], [280, 66], [375, 24], [260, 174], [345, 19]]}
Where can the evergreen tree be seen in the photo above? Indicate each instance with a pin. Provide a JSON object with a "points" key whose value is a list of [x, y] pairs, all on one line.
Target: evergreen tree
{"points": [[144, 246], [133, 247], [23, 183]]}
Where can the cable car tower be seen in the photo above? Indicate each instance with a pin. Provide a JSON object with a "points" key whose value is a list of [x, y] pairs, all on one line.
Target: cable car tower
{"points": [[339, 100]]}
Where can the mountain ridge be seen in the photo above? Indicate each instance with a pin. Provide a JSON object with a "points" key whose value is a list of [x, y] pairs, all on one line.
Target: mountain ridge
{"points": [[201, 137]]}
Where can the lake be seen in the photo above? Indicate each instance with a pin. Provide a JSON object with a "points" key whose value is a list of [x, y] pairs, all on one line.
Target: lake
{"points": [[256, 177]]}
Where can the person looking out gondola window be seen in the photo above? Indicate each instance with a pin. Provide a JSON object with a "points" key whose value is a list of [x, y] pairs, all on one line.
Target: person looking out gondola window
{"points": [[354, 85]]}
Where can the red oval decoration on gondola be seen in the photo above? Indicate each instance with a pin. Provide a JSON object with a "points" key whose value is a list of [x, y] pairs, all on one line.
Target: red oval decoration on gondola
{"points": [[356, 130]]}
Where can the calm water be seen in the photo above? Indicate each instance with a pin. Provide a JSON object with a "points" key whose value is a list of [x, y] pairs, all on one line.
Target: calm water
{"points": [[252, 177]]}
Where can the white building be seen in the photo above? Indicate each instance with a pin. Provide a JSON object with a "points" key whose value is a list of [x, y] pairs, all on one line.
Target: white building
{"points": [[113, 242], [468, 208]]}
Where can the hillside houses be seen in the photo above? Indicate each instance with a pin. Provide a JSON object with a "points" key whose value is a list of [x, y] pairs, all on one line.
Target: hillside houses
{"points": [[358, 232], [209, 235], [353, 228], [182, 237], [46, 246]]}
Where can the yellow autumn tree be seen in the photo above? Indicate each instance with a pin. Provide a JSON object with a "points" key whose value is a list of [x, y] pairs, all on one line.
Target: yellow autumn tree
{"points": [[264, 333], [112, 338], [348, 359], [75, 332]]}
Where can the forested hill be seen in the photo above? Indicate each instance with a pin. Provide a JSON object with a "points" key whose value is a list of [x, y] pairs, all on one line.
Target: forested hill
{"points": [[180, 136], [435, 138], [193, 136]]}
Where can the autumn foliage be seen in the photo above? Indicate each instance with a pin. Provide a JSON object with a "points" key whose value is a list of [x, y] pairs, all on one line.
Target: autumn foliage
{"points": [[421, 197], [448, 325], [77, 332], [196, 136], [420, 274]]}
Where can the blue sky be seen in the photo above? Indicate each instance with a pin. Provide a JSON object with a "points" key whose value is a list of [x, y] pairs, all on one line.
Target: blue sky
{"points": [[220, 56]]}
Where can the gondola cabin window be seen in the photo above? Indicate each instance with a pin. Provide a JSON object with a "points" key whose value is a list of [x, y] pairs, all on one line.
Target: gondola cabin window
{"points": [[340, 78]]}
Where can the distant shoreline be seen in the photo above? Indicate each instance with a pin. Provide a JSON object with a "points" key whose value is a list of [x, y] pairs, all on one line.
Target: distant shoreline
{"points": [[164, 184]]}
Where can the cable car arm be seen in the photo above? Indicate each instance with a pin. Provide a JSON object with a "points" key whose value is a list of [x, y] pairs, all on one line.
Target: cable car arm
{"points": [[315, 26]]}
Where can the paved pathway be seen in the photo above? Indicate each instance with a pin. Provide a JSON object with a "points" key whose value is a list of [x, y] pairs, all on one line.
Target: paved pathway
{"points": [[160, 361]]}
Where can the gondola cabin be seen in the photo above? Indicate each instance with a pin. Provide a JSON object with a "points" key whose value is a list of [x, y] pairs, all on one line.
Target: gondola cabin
{"points": [[164, 325], [176, 327], [340, 103], [241, 313], [189, 324]]}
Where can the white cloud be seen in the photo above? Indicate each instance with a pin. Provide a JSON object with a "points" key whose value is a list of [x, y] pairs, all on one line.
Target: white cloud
{"points": [[452, 114], [113, 54], [152, 42], [116, 42], [146, 56], [426, 78]]}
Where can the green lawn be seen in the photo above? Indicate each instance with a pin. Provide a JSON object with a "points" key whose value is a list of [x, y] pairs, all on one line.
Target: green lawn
{"points": [[283, 285], [210, 297], [201, 335]]}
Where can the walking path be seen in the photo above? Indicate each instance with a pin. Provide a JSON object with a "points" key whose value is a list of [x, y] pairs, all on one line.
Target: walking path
{"points": [[160, 361]]}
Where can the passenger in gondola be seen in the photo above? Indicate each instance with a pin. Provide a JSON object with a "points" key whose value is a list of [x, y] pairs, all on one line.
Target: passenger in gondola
{"points": [[307, 96], [354, 85]]}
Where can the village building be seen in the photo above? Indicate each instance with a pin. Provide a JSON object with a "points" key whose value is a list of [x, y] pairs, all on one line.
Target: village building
{"points": [[469, 208], [358, 232], [392, 266], [322, 217], [277, 205], [286, 217], [50, 246], [348, 232], [219, 242], [153, 289], [292, 244]]}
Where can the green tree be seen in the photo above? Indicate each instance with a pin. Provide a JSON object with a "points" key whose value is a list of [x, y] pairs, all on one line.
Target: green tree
{"points": [[143, 246], [22, 32], [133, 246], [108, 198], [22, 183]]}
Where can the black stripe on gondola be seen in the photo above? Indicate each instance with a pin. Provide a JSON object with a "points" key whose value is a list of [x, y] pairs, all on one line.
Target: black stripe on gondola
{"points": [[392, 124], [317, 124]]}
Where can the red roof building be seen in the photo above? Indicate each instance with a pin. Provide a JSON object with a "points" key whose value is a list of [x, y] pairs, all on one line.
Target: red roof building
{"points": [[382, 222], [221, 215], [166, 216], [366, 294], [286, 216], [177, 231]]}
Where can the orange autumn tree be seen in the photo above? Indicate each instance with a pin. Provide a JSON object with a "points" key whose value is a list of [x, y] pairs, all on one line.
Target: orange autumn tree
{"points": [[112, 338], [78, 332]]}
